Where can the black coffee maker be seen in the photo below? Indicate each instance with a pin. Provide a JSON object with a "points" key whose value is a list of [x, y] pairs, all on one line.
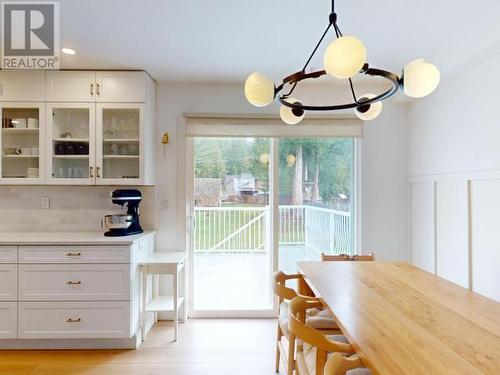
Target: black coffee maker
{"points": [[131, 198]]}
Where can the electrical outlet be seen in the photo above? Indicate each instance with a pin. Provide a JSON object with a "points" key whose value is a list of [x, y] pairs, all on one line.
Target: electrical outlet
{"points": [[45, 202], [165, 204]]}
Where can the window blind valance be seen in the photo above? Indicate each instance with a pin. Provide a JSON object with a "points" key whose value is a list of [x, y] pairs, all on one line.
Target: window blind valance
{"points": [[198, 125]]}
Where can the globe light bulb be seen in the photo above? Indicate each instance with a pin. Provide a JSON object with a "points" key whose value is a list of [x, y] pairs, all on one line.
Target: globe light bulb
{"points": [[420, 78], [289, 115], [290, 160], [259, 90], [369, 111], [345, 57], [264, 159]]}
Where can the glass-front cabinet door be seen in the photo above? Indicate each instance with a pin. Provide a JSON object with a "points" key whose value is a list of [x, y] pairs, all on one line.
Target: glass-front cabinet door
{"points": [[22, 143], [119, 146], [71, 143]]}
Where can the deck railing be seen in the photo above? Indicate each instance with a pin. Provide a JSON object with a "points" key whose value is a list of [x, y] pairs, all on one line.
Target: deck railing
{"points": [[246, 229]]}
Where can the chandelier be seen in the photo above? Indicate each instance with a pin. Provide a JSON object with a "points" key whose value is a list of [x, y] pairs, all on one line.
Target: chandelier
{"points": [[344, 58]]}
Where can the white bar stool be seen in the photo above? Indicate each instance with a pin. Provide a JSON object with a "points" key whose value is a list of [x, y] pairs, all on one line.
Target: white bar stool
{"points": [[167, 263]]}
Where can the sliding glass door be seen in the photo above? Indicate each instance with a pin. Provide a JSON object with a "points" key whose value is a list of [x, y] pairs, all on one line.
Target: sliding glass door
{"points": [[259, 205], [232, 252], [315, 199]]}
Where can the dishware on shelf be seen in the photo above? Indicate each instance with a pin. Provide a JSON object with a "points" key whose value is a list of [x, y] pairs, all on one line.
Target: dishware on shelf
{"points": [[19, 123], [82, 148], [115, 149], [70, 148], [61, 172], [25, 151], [132, 149], [66, 135], [32, 172], [33, 123], [59, 149], [10, 151], [35, 151], [6, 123]]}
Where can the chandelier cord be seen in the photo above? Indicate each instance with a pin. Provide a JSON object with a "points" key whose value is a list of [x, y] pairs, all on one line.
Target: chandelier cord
{"points": [[351, 85], [330, 24], [338, 33]]}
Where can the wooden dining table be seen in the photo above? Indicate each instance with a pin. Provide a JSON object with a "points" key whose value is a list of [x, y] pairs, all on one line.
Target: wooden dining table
{"points": [[402, 320]]}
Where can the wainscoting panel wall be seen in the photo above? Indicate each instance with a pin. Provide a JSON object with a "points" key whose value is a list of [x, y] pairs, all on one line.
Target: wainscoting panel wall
{"points": [[422, 225], [452, 232], [485, 199], [455, 221]]}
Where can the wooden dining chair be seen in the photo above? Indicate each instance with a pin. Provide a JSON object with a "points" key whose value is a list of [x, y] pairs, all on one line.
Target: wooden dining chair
{"points": [[317, 317], [313, 345], [345, 257], [339, 364]]}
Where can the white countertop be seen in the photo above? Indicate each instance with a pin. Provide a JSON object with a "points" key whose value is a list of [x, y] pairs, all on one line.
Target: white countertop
{"points": [[66, 238]]}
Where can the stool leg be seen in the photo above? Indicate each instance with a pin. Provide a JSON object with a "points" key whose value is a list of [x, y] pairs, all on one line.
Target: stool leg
{"points": [[156, 289], [144, 288], [176, 307]]}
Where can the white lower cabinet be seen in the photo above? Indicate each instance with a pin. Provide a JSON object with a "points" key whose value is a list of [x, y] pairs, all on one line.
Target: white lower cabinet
{"points": [[8, 282], [59, 320], [8, 320], [74, 282], [72, 295], [8, 254]]}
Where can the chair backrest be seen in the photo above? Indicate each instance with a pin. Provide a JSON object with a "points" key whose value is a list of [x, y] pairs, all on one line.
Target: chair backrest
{"points": [[338, 364], [347, 258], [300, 330], [282, 291]]}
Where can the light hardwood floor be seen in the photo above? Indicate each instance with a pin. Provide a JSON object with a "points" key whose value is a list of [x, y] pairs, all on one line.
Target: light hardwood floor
{"points": [[208, 347]]}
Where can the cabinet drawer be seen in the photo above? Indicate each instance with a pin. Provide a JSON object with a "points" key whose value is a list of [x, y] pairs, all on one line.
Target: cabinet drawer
{"points": [[8, 320], [53, 320], [8, 282], [74, 282], [74, 254], [8, 254]]}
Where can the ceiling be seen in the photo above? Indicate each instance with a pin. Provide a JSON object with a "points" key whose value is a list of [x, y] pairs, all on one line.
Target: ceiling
{"points": [[225, 40]]}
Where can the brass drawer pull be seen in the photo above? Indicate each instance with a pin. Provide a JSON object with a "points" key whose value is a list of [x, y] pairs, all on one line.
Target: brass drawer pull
{"points": [[70, 254], [74, 282], [73, 320]]}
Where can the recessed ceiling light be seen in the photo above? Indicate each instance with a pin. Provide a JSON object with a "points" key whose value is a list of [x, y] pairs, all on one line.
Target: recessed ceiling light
{"points": [[68, 51]]}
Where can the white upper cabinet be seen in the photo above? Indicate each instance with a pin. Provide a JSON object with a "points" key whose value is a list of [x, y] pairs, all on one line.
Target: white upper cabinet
{"points": [[22, 143], [22, 86], [70, 86], [87, 128], [121, 87]]}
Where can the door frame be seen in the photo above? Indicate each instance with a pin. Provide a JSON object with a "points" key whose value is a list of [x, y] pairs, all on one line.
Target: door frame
{"points": [[275, 223]]}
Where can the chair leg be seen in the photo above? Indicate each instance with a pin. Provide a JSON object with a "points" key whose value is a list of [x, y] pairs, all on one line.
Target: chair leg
{"points": [[291, 354], [278, 349]]}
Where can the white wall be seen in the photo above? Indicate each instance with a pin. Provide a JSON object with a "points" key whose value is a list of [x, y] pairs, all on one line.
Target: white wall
{"points": [[384, 165], [455, 145]]}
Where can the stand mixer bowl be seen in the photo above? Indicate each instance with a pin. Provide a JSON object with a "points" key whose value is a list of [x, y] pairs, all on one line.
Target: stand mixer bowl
{"points": [[118, 221]]}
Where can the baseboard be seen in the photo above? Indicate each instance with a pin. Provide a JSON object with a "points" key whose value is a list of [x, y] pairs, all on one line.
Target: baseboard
{"points": [[69, 344]]}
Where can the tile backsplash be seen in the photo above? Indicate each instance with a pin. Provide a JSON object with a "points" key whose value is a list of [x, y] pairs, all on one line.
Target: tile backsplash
{"points": [[72, 208]]}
